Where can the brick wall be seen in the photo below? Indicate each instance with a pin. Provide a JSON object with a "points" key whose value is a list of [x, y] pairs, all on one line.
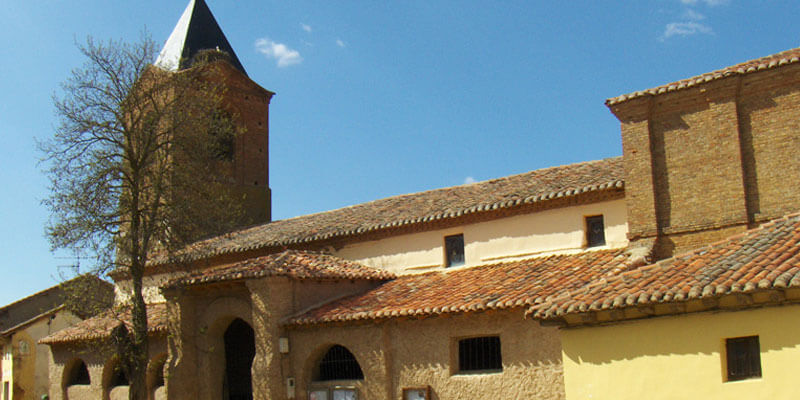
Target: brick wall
{"points": [[711, 160], [249, 102]]}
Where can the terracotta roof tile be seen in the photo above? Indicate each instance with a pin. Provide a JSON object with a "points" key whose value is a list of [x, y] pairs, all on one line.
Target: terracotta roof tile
{"points": [[496, 286], [539, 186], [290, 263], [764, 258], [787, 57], [100, 326]]}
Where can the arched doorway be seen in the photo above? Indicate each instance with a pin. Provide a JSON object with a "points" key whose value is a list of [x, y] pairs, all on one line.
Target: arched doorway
{"points": [[240, 348]]}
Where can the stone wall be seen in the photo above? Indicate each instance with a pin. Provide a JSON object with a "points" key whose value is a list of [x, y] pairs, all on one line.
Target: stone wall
{"points": [[406, 353]]}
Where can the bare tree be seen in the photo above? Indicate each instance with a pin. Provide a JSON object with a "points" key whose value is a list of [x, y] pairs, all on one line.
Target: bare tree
{"points": [[140, 164]]}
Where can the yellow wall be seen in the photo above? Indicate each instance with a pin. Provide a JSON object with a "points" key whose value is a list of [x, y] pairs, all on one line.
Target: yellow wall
{"points": [[682, 357], [556, 231]]}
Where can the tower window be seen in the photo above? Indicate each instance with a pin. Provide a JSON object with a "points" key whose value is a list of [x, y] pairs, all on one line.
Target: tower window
{"points": [[744, 358], [595, 231], [454, 250], [479, 354]]}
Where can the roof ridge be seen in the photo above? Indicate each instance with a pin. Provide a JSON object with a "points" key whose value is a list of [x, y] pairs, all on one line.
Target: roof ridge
{"points": [[399, 196], [785, 57]]}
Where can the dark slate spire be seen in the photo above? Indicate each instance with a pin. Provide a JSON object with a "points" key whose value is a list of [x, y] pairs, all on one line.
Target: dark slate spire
{"points": [[197, 30]]}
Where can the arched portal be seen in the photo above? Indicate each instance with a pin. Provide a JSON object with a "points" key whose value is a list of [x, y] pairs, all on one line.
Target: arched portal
{"points": [[240, 348]]}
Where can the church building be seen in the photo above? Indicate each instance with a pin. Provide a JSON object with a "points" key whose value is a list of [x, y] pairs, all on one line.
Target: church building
{"points": [[564, 282]]}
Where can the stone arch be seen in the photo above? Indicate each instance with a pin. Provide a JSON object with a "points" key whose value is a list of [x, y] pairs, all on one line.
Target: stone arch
{"points": [[76, 373], [215, 320], [155, 377], [240, 350], [116, 382]]}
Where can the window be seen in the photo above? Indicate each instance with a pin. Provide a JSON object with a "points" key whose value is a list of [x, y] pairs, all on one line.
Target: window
{"points": [[338, 364], [454, 250], [479, 354], [744, 358], [6, 392], [595, 231]]}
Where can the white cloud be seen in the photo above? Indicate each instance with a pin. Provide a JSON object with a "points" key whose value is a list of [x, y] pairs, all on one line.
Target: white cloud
{"points": [[469, 179], [340, 43], [278, 51], [685, 29], [306, 27], [693, 15]]}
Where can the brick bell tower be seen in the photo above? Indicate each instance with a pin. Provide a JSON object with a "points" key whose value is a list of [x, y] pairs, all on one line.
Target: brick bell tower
{"points": [[197, 32]]}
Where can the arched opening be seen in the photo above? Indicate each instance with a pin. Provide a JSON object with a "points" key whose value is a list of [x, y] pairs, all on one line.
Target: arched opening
{"points": [[77, 374], [338, 363], [155, 377], [119, 378], [240, 348]]}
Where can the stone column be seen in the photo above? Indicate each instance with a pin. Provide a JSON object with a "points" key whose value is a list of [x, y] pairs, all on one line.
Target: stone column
{"points": [[272, 301], [181, 375]]}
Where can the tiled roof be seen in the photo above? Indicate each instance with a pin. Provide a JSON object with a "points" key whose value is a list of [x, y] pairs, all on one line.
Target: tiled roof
{"points": [[539, 186], [100, 327], [496, 286], [764, 258], [776, 60], [290, 263]]}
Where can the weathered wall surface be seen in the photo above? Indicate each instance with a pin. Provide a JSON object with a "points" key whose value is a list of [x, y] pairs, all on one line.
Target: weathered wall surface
{"points": [[716, 156], [554, 231], [681, 357], [27, 369], [100, 361], [405, 353]]}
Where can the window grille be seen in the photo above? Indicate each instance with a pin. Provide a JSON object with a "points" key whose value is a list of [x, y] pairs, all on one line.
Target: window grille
{"points": [[744, 358], [339, 364], [454, 250], [595, 231], [481, 353]]}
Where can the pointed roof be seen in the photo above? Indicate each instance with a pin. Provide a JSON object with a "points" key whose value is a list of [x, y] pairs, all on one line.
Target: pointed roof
{"points": [[197, 30]]}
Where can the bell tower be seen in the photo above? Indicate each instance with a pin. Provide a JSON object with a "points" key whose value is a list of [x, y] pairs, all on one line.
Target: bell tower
{"points": [[196, 34]]}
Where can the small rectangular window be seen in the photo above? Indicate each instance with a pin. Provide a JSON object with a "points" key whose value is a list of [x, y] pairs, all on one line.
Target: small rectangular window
{"points": [[595, 231], [479, 354], [744, 358], [454, 250]]}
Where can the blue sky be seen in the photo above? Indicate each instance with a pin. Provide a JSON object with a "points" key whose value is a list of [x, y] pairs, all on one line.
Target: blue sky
{"points": [[376, 99]]}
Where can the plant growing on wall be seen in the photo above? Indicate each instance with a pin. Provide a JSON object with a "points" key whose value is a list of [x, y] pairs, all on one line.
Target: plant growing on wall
{"points": [[136, 171]]}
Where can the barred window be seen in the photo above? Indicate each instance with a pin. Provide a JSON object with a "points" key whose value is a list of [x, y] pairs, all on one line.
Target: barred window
{"points": [[595, 231], [480, 353], [339, 364], [744, 358], [454, 250]]}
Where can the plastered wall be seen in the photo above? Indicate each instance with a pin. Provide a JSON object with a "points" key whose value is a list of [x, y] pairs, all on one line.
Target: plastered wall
{"points": [[553, 231], [681, 357]]}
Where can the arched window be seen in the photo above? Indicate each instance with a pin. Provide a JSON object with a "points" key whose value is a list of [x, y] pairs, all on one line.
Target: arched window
{"points": [[339, 364], [78, 374]]}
